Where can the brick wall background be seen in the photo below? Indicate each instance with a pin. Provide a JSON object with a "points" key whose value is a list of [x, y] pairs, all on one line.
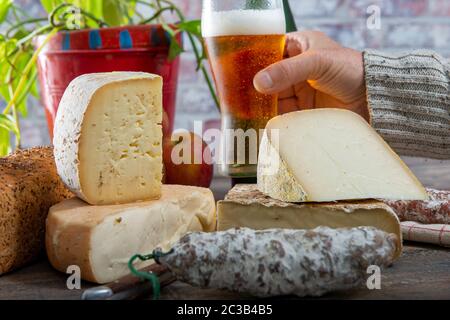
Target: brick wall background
{"points": [[405, 25]]}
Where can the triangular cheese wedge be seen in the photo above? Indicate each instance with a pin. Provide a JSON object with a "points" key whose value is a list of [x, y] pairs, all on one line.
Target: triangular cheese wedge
{"points": [[328, 155]]}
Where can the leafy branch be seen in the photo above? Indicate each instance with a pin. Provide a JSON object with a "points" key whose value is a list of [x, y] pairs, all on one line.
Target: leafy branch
{"points": [[18, 56]]}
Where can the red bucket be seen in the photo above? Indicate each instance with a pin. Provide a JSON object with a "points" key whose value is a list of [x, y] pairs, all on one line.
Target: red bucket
{"points": [[133, 48]]}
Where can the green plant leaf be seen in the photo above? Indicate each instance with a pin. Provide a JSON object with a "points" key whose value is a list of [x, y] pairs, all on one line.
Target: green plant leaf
{"points": [[30, 87], [5, 142], [34, 89], [131, 7], [22, 107], [114, 12], [93, 7], [291, 25], [175, 48], [7, 122], [6, 47], [21, 59], [5, 5], [194, 27], [6, 68]]}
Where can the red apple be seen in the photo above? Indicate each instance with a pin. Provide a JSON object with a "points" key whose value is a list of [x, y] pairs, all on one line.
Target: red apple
{"points": [[187, 160]]}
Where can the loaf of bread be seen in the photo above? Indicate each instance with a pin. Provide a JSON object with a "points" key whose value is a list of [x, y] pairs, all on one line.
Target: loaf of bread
{"points": [[29, 186]]}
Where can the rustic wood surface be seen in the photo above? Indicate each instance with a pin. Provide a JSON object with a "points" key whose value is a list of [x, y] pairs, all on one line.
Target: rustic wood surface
{"points": [[423, 272]]}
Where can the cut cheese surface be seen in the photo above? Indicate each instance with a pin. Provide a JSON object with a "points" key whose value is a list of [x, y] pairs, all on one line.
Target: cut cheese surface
{"points": [[108, 137], [327, 155], [102, 239], [246, 207]]}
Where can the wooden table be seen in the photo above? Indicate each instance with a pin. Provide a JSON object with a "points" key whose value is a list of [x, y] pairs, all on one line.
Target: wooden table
{"points": [[423, 272]]}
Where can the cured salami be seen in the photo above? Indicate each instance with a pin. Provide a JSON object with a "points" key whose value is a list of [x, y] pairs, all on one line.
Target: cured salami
{"points": [[434, 211], [280, 262]]}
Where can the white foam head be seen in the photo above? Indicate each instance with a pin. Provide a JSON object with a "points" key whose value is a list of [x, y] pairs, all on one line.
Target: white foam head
{"points": [[243, 22]]}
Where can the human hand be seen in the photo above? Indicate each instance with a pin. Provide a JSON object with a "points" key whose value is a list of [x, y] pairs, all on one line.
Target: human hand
{"points": [[317, 73]]}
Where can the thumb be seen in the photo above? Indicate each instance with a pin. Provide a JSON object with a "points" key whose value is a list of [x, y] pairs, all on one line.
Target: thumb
{"points": [[289, 72]]}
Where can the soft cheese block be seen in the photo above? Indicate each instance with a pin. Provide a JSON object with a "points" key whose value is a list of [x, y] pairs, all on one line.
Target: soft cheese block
{"points": [[108, 137], [326, 155], [102, 239], [246, 207]]}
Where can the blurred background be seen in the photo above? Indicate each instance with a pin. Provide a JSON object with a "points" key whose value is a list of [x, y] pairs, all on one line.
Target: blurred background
{"points": [[405, 25]]}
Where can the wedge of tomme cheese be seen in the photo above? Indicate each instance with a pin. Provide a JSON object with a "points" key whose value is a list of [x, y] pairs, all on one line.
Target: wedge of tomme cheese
{"points": [[246, 207], [108, 137], [327, 155], [102, 239]]}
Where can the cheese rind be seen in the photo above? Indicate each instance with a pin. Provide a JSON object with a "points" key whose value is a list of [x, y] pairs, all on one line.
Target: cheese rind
{"points": [[108, 137], [276, 174], [246, 207], [102, 239], [325, 155]]}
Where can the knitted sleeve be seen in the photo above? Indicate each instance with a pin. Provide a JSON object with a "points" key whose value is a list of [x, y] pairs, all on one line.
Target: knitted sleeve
{"points": [[409, 101]]}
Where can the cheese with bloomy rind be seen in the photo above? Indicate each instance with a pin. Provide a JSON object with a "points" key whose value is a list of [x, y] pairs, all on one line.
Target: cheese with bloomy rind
{"points": [[102, 239], [108, 137], [246, 207], [325, 155]]}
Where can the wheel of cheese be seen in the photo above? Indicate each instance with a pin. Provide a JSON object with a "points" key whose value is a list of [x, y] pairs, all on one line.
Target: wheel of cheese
{"points": [[100, 240], [325, 155], [108, 137]]}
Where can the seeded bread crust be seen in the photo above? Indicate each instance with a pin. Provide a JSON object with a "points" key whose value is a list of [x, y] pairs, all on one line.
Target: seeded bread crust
{"points": [[29, 186]]}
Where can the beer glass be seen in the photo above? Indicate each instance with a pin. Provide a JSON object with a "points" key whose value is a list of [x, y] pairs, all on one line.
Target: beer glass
{"points": [[242, 37]]}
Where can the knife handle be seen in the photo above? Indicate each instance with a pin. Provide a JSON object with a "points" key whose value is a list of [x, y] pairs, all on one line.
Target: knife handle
{"points": [[129, 287]]}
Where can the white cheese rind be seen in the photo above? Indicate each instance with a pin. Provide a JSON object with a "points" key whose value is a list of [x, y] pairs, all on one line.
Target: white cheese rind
{"points": [[325, 155], [102, 239], [107, 137], [274, 173]]}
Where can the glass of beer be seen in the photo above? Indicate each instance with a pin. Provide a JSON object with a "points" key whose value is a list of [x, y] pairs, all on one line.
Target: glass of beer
{"points": [[242, 37]]}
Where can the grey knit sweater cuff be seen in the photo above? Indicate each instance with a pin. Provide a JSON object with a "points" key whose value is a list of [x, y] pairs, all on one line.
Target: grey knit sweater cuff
{"points": [[409, 101]]}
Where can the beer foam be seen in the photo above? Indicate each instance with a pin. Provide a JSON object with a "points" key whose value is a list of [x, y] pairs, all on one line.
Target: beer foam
{"points": [[243, 22]]}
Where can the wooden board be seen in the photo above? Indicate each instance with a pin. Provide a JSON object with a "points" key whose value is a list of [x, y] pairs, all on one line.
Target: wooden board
{"points": [[423, 272]]}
